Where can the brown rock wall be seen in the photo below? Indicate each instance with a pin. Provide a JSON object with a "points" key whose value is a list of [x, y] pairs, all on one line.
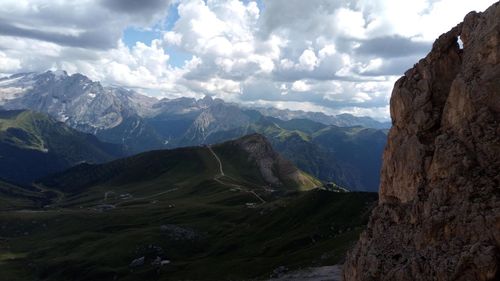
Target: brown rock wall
{"points": [[439, 212]]}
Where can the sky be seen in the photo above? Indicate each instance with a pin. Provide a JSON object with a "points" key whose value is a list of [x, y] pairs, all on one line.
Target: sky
{"points": [[314, 55]]}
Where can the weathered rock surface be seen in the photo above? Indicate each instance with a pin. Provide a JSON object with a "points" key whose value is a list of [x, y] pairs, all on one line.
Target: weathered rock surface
{"points": [[74, 99], [260, 150], [274, 169], [439, 212]]}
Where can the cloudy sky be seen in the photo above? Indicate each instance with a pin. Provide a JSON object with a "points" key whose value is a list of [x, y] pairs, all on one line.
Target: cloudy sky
{"points": [[333, 56]]}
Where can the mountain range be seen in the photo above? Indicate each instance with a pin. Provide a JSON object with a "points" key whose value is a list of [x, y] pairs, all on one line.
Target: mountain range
{"points": [[347, 155], [340, 120], [87, 105]]}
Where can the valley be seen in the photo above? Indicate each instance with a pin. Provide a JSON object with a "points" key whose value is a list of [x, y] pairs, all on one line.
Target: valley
{"points": [[198, 213], [33, 145]]}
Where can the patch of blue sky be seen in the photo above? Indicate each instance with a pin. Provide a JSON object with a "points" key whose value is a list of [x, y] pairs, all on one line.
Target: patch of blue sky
{"points": [[177, 57], [260, 3], [132, 35]]}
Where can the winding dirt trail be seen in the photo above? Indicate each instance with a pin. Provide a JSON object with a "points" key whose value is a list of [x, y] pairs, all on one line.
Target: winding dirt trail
{"points": [[147, 197], [221, 174], [221, 171], [59, 194]]}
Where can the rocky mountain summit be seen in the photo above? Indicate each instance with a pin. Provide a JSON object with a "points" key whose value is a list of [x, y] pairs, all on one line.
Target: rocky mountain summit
{"points": [[74, 99], [438, 217]]}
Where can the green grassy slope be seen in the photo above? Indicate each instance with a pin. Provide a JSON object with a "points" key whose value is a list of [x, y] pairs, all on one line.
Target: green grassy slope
{"points": [[14, 197], [158, 167], [176, 206], [33, 145], [239, 165], [181, 167], [350, 157], [220, 238]]}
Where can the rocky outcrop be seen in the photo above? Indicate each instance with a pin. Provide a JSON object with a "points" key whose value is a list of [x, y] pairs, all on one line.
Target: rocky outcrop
{"points": [[439, 212], [270, 163], [274, 169]]}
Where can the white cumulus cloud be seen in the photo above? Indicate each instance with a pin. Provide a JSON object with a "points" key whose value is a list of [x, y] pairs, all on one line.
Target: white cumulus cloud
{"points": [[330, 56]]}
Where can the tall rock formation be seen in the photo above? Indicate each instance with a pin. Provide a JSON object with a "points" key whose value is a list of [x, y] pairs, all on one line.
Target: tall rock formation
{"points": [[439, 212]]}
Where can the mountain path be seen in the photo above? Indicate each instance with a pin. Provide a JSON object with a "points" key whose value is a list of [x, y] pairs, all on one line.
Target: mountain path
{"points": [[221, 171], [221, 174], [147, 197], [42, 189]]}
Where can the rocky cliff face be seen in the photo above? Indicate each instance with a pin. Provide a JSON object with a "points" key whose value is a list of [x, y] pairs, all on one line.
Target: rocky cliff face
{"points": [[270, 163], [439, 212], [274, 169]]}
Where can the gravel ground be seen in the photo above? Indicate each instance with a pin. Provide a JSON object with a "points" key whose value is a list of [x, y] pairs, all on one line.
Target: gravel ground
{"points": [[324, 273]]}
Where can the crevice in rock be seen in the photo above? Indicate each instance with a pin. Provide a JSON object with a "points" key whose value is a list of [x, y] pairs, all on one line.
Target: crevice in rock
{"points": [[460, 43]]}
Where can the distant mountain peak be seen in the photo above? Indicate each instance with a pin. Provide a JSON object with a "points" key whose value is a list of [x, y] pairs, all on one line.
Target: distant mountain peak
{"points": [[59, 74], [207, 98], [74, 99]]}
